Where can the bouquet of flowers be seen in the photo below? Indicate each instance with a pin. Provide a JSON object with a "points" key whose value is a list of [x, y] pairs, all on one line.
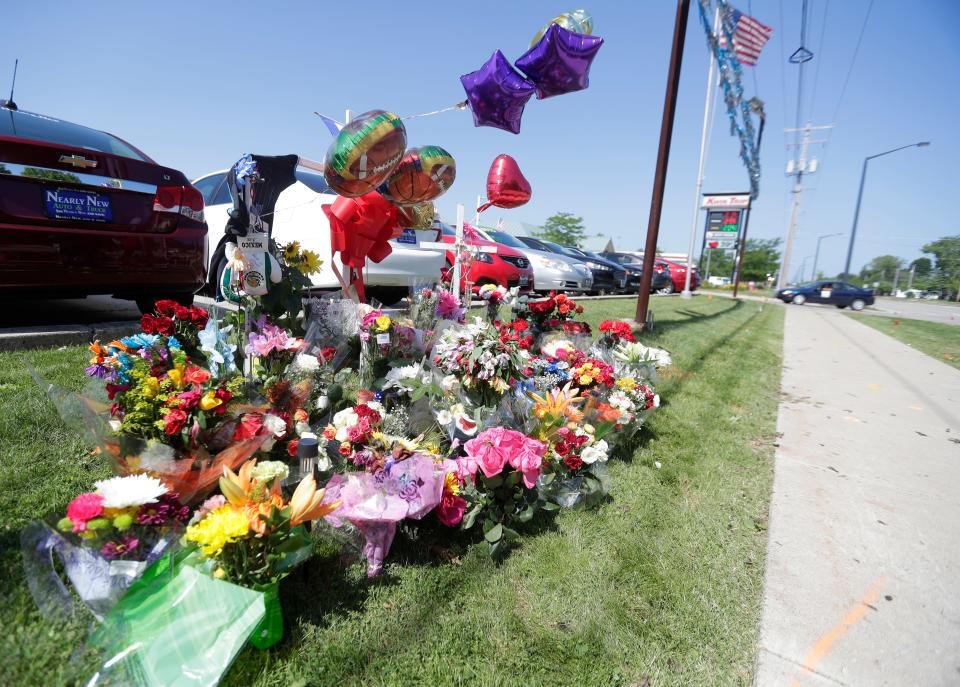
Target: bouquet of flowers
{"points": [[557, 312], [252, 536], [496, 479], [633, 358], [105, 541], [485, 364], [495, 296], [428, 305], [622, 411], [615, 332], [383, 341], [353, 427]]}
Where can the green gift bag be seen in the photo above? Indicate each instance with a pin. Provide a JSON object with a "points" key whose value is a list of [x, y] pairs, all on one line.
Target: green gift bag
{"points": [[178, 627], [269, 630]]}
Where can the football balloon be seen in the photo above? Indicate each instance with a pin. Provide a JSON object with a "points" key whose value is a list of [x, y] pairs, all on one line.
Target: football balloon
{"points": [[423, 174], [364, 153]]}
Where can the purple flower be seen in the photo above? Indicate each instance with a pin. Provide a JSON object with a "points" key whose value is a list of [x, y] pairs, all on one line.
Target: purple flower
{"points": [[410, 491], [113, 550], [99, 371]]}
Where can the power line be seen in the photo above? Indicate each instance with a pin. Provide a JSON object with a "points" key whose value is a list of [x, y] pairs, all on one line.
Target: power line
{"points": [[816, 74], [856, 51]]}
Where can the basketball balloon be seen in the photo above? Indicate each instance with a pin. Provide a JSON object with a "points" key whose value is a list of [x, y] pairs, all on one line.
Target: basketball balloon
{"points": [[364, 153], [423, 174]]}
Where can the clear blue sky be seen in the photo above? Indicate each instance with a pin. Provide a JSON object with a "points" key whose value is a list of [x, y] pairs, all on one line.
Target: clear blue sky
{"points": [[197, 84]]}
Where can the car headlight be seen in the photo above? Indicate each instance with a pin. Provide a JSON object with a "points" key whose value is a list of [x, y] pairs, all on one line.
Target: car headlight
{"points": [[484, 257], [558, 265], [599, 266]]}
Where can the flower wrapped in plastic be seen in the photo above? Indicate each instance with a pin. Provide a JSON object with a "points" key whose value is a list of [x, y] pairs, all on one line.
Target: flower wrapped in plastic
{"points": [[619, 413], [106, 540], [485, 364], [430, 304], [333, 322], [556, 312], [376, 502], [632, 358]]}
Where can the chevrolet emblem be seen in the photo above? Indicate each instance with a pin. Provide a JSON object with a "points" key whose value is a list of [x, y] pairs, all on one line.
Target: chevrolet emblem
{"points": [[78, 161]]}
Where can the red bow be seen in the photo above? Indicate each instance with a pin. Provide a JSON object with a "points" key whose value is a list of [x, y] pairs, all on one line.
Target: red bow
{"points": [[359, 229]]}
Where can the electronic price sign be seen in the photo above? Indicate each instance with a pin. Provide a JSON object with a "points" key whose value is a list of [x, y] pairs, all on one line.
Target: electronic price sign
{"points": [[723, 228]]}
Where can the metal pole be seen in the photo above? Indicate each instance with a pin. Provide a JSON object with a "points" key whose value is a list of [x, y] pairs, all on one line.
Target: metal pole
{"points": [[663, 156], [707, 104], [816, 257], [737, 270], [910, 280], [709, 255], [896, 278], [856, 218]]}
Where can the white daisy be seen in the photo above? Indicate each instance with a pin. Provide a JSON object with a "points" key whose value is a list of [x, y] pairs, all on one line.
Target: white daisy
{"points": [[132, 490]]}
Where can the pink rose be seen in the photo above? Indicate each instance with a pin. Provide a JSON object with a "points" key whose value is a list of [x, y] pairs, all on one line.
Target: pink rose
{"points": [[486, 451], [529, 460], [451, 509], [83, 509]]}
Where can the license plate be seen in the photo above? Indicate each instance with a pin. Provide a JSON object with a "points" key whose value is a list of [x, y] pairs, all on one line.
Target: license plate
{"points": [[69, 204], [408, 236], [524, 280]]}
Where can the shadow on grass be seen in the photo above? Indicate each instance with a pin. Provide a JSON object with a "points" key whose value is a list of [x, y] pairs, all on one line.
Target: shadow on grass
{"points": [[687, 315]]}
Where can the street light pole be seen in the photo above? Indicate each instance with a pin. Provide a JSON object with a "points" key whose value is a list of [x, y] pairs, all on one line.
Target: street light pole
{"points": [[816, 254], [863, 178]]}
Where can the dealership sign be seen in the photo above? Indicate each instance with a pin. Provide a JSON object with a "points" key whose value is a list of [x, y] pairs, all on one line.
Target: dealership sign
{"points": [[731, 201]]}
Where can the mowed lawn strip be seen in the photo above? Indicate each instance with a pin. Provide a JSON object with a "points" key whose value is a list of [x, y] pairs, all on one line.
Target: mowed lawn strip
{"points": [[663, 581], [938, 340]]}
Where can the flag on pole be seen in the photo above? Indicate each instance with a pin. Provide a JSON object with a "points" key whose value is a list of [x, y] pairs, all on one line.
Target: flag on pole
{"points": [[749, 37]]}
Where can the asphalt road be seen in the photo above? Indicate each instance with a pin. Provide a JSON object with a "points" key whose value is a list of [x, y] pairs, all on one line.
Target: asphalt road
{"points": [[862, 563], [66, 311], [912, 309]]}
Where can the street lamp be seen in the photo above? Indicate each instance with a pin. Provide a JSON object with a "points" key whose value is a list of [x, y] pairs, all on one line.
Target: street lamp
{"points": [[863, 177], [803, 268], [816, 254]]}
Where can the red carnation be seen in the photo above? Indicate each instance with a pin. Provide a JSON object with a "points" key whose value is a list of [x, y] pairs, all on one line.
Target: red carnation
{"points": [[573, 462]]}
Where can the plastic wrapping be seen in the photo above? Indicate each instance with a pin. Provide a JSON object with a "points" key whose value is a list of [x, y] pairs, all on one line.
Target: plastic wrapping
{"points": [[585, 490], [176, 627], [98, 582], [333, 320], [375, 503]]}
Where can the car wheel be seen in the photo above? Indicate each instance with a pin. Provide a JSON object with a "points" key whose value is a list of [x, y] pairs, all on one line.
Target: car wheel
{"points": [[799, 299], [388, 295], [147, 304], [857, 305], [667, 290]]}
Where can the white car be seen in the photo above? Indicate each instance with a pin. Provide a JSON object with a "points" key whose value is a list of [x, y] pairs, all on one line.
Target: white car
{"points": [[299, 216]]}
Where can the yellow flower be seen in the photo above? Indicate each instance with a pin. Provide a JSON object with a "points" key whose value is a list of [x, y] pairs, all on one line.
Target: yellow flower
{"points": [[291, 250], [218, 528], [309, 262], [627, 383], [586, 379], [451, 484], [151, 387], [176, 376], [209, 401], [557, 403], [383, 323]]}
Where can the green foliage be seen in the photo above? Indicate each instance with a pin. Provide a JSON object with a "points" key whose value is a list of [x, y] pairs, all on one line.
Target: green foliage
{"points": [[564, 228], [936, 339], [760, 258], [922, 267], [946, 274]]}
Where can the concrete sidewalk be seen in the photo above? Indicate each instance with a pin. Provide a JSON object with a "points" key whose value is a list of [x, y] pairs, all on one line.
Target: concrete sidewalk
{"points": [[863, 570]]}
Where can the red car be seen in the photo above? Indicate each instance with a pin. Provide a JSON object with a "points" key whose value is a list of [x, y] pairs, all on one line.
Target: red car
{"points": [[678, 275], [84, 212], [506, 267]]}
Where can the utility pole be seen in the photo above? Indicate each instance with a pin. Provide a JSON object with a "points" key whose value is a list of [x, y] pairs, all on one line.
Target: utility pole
{"points": [[797, 169], [896, 278], [910, 280]]}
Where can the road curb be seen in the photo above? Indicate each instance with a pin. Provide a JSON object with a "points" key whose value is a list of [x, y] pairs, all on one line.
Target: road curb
{"points": [[24, 338]]}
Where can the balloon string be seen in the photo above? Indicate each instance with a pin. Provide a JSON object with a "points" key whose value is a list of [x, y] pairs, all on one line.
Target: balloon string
{"points": [[458, 106]]}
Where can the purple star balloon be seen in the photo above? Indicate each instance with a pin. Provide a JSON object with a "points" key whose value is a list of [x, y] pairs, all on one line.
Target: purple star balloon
{"points": [[560, 62], [497, 94]]}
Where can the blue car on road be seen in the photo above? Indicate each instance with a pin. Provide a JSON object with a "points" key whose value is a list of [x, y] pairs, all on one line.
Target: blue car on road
{"points": [[828, 292]]}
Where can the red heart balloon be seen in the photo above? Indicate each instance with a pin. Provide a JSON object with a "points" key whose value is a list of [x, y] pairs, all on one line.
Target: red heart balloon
{"points": [[506, 185]]}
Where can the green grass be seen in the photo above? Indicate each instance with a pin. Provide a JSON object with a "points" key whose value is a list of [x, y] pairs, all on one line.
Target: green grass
{"points": [[663, 581], [938, 340]]}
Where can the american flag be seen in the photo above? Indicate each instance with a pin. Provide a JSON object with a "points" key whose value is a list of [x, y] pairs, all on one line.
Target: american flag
{"points": [[749, 37]]}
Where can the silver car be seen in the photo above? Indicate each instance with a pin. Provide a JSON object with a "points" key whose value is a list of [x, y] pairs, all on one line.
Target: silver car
{"points": [[551, 271]]}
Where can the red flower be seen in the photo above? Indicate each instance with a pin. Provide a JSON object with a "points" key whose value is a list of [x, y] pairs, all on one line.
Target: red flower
{"points": [[196, 375], [292, 446], [573, 462], [162, 325], [520, 326], [188, 399], [174, 421], [224, 396], [148, 323], [114, 389], [451, 509], [326, 354], [199, 316], [249, 426], [564, 309], [166, 307]]}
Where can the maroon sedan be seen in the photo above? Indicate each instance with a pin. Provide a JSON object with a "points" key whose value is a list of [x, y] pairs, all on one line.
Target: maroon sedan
{"points": [[84, 212]]}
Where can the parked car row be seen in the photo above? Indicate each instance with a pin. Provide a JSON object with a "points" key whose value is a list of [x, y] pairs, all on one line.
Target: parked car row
{"points": [[84, 212], [830, 292]]}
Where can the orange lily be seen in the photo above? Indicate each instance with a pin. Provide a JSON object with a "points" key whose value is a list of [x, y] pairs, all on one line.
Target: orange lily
{"points": [[307, 502], [557, 404]]}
